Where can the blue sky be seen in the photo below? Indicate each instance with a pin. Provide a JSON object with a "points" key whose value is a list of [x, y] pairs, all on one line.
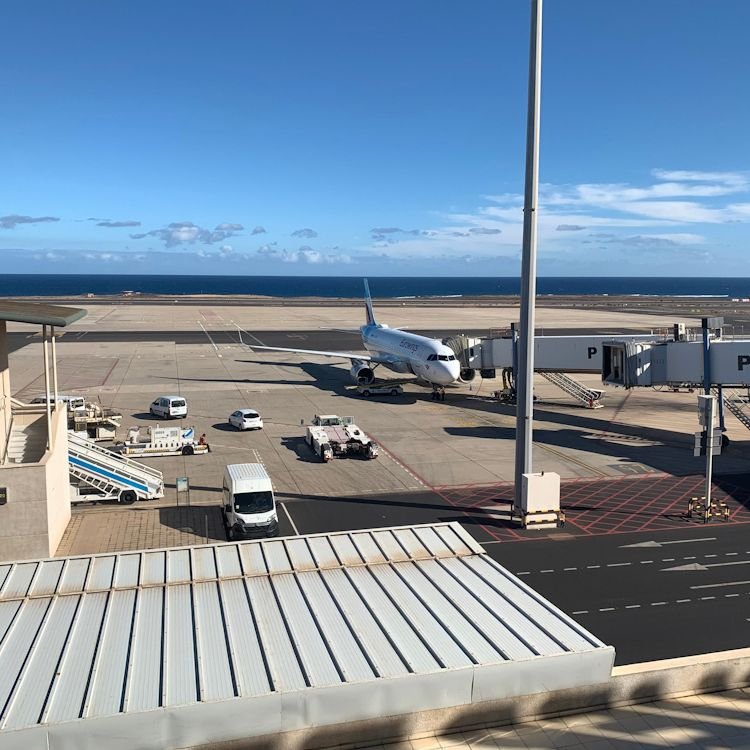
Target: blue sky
{"points": [[349, 138]]}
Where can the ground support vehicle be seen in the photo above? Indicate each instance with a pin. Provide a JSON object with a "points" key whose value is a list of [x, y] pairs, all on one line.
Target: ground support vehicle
{"points": [[248, 502], [162, 441], [98, 474], [94, 422], [380, 389], [332, 436]]}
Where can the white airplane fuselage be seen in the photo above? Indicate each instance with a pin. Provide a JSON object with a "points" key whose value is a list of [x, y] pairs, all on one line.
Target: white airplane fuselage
{"points": [[403, 352]]}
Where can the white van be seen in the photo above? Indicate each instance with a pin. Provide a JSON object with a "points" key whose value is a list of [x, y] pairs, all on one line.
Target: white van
{"points": [[249, 506], [169, 407]]}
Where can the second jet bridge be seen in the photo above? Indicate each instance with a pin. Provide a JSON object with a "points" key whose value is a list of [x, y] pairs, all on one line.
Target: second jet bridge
{"points": [[632, 363]]}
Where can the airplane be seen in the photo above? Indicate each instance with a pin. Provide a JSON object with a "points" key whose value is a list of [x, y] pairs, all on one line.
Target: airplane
{"points": [[397, 350]]}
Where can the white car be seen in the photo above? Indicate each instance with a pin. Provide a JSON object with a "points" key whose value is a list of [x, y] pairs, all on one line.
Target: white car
{"points": [[246, 419]]}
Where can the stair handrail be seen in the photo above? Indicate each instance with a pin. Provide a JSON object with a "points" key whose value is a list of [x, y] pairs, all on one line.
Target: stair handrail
{"points": [[88, 445], [7, 440]]}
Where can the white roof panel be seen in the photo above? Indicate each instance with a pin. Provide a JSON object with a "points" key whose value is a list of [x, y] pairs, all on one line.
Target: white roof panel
{"points": [[114, 635]]}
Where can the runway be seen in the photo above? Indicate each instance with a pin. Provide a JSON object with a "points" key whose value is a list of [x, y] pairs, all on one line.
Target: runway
{"points": [[305, 339]]}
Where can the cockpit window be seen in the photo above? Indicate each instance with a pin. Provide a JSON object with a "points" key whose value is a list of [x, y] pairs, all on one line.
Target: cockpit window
{"points": [[432, 357]]}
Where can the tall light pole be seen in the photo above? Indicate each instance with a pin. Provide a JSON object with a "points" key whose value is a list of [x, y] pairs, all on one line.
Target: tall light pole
{"points": [[525, 384]]}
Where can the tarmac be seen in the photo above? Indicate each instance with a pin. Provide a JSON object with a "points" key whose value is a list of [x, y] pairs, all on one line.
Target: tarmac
{"points": [[628, 469]]}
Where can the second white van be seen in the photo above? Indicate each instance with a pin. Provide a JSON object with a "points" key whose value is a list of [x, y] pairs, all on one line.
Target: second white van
{"points": [[169, 407]]}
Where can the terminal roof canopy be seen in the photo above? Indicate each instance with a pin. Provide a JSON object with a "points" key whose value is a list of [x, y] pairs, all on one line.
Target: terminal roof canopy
{"points": [[41, 314], [227, 641]]}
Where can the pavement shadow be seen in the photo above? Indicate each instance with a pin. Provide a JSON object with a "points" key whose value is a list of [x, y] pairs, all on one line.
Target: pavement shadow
{"points": [[301, 449], [225, 427], [144, 415], [204, 521]]}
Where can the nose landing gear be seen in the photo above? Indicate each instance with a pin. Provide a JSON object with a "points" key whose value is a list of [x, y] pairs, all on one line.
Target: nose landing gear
{"points": [[438, 392]]}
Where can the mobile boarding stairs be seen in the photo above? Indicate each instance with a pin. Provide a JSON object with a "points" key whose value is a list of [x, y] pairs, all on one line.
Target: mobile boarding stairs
{"points": [[100, 474]]}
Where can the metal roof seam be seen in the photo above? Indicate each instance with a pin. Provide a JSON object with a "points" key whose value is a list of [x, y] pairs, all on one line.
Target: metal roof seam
{"points": [[319, 625], [263, 651], [94, 660], [227, 640], [386, 634], [506, 624], [556, 611], [196, 636], [397, 569], [441, 662], [290, 633], [347, 621], [10, 635], [489, 638]]}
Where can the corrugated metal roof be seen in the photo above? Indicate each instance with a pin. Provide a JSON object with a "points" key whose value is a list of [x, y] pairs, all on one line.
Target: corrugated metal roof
{"points": [[40, 313], [123, 633]]}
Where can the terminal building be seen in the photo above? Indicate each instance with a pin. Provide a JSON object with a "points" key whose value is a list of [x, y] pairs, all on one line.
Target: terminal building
{"points": [[34, 474]]}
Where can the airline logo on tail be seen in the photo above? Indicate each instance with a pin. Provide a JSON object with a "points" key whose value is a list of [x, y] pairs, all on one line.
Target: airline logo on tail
{"points": [[368, 305]]}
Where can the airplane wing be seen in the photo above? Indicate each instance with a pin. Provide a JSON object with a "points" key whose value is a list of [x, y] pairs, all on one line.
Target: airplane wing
{"points": [[340, 355]]}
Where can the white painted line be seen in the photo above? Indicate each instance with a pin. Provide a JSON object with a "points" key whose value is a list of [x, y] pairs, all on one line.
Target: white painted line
{"points": [[216, 348], [658, 604], [646, 562], [617, 565], [592, 567], [668, 559], [731, 554], [707, 598], [581, 612], [710, 555], [570, 568], [607, 609], [692, 557], [632, 606], [720, 585], [729, 596], [288, 515], [683, 601], [643, 545], [547, 571], [524, 573]]}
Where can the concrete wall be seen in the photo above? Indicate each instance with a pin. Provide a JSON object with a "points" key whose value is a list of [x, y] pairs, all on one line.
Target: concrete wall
{"points": [[38, 509], [57, 481], [4, 389]]}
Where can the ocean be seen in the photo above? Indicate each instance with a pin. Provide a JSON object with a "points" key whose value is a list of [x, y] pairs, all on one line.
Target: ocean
{"points": [[44, 285]]}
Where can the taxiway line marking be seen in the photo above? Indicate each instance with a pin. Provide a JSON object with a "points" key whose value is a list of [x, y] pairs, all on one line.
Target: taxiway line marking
{"points": [[720, 585], [291, 521], [216, 348]]}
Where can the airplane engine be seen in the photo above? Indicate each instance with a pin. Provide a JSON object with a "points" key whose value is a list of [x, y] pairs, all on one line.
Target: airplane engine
{"points": [[362, 374], [467, 375]]}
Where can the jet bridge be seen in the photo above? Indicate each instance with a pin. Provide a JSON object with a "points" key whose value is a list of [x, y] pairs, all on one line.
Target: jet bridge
{"points": [[640, 363]]}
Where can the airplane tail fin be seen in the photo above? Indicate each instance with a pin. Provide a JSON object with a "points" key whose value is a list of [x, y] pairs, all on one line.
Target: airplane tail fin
{"points": [[368, 305]]}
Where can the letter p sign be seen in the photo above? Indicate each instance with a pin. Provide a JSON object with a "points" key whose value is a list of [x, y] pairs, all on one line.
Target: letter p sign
{"points": [[742, 361], [593, 350]]}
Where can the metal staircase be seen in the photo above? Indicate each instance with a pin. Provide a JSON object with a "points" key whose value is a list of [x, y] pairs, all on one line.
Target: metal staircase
{"points": [[111, 473], [27, 443], [591, 398], [738, 402]]}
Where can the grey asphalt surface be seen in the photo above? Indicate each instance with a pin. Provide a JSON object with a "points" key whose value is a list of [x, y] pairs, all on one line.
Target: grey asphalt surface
{"points": [[628, 596], [313, 339]]}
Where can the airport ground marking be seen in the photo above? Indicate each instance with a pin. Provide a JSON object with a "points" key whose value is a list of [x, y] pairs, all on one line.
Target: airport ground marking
{"points": [[701, 566], [695, 600], [291, 520], [653, 543], [216, 348], [720, 585]]}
